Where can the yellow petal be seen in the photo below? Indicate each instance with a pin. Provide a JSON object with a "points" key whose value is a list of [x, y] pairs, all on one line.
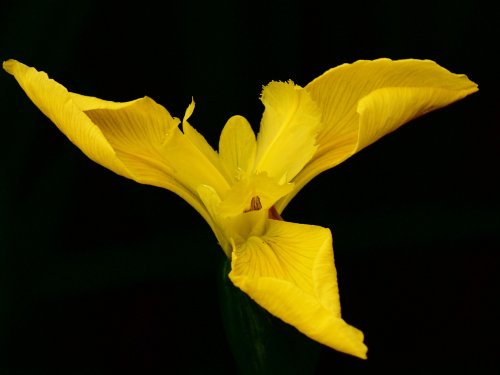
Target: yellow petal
{"points": [[287, 136], [128, 138], [146, 138], [138, 132], [206, 155], [290, 271], [56, 103], [237, 147], [87, 103], [384, 110], [366, 100], [211, 201]]}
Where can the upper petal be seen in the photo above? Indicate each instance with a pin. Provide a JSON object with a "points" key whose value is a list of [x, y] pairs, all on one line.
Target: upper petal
{"points": [[366, 100], [237, 147], [204, 158], [133, 139], [137, 131], [287, 136], [56, 103], [290, 271]]}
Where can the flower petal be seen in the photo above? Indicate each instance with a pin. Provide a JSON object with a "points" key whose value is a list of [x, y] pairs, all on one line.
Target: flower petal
{"points": [[291, 273], [287, 136], [363, 101], [132, 139], [211, 201], [148, 140], [206, 156], [237, 147], [57, 104], [138, 133]]}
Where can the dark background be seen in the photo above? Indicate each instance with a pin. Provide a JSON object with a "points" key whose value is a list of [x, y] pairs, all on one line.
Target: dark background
{"points": [[100, 275]]}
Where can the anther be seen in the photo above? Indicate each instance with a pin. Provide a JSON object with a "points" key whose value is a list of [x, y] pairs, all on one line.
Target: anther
{"points": [[255, 204]]}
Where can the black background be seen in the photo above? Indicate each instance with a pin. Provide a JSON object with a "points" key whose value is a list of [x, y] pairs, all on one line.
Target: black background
{"points": [[100, 275]]}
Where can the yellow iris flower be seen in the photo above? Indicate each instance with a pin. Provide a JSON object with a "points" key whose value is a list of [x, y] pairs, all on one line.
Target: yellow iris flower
{"points": [[242, 189]]}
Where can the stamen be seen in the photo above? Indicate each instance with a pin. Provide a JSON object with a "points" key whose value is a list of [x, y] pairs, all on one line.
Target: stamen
{"points": [[255, 204]]}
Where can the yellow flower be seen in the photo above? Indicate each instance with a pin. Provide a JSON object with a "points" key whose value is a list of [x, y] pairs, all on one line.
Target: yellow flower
{"points": [[242, 190]]}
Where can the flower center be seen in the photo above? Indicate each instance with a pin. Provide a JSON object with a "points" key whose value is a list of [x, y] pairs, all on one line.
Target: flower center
{"points": [[255, 204]]}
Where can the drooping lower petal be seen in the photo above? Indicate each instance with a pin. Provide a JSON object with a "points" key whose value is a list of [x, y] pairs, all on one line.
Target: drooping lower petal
{"points": [[363, 101], [290, 271]]}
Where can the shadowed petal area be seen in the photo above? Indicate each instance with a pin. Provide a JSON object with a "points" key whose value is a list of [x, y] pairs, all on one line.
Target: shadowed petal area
{"points": [[363, 101], [290, 272], [131, 138]]}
